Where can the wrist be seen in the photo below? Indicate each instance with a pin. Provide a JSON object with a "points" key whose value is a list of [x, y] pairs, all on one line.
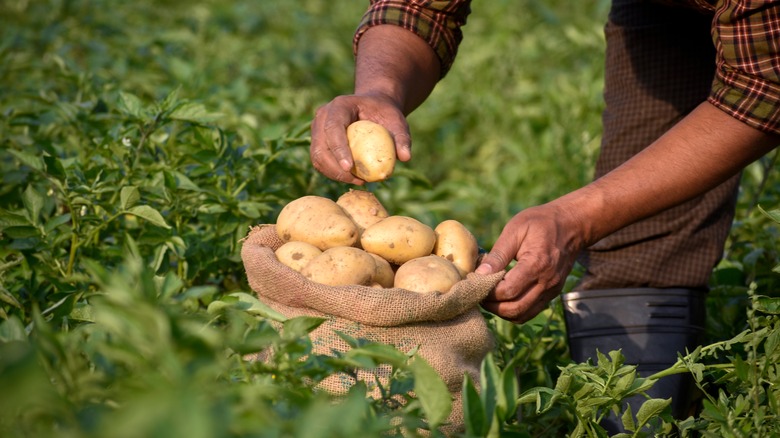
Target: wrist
{"points": [[582, 212], [382, 96]]}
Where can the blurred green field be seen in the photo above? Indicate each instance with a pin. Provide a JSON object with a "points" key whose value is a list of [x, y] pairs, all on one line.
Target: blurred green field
{"points": [[525, 90], [140, 140]]}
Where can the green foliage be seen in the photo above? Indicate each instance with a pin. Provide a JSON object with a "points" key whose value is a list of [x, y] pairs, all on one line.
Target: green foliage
{"points": [[152, 362]]}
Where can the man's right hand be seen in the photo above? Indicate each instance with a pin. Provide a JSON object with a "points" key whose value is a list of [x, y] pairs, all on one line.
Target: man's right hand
{"points": [[330, 153]]}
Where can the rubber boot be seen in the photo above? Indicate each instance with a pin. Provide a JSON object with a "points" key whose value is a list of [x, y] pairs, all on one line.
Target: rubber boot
{"points": [[650, 326]]}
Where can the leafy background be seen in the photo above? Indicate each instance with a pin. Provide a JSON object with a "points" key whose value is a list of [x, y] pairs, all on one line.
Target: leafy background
{"points": [[141, 140]]}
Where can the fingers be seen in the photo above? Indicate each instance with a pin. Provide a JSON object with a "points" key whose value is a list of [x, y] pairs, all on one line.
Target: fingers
{"points": [[399, 130], [522, 294], [504, 251], [519, 311], [330, 153], [533, 239]]}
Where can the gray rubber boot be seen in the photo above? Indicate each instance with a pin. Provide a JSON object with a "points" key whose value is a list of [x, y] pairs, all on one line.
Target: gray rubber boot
{"points": [[649, 325]]}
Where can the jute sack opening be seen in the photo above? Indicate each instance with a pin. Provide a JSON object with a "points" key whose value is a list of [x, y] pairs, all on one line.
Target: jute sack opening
{"points": [[448, 328]]}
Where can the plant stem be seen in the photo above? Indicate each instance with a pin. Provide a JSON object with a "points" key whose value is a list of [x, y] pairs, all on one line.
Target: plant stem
{"points": [[15, 261], [74, 245]]}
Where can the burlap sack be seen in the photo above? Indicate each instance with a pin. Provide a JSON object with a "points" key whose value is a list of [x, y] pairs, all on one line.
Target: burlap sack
{"points": [[448, 328]]}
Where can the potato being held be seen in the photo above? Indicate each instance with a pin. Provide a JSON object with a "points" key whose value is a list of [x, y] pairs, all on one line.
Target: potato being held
{"points": [[398, 239], [373, 150], [296, 255], [427, 274], [341, 265], [318, 221], [456, 243]]}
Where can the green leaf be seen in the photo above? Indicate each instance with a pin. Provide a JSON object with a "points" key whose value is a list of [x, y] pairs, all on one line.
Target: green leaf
{"points": [[741, 368], [12, 219], [543, 397], [770, 305], [625, 382], [251, 209], [628, 419], [33, 204], [82, 312], [55, 222], [579, 430], [12, 330], [193, 112], [169, 285], [351, 341], [528, 396], [617, 359], [382, 353], [55, 168], [773, 214], [21, 232], [771, 343], [31, 160], [212, 208], [600, 400], [130, 104], [432, 392], [300, 326], [7, 298], [248, 303], [197, 292], [489, 385], [150, 214], [473, 410], [128, 197], [509, 393], [641, 384], [651, 408], [170, 100], [563, 383], [584, 391], [183, 182]]}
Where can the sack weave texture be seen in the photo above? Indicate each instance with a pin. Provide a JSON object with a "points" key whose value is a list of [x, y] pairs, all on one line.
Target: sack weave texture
{"points": [[448, 328]]}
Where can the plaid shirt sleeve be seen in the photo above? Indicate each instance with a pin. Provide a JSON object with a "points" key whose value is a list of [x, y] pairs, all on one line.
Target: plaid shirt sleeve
{"points": [[747, 80], [436, 22]]}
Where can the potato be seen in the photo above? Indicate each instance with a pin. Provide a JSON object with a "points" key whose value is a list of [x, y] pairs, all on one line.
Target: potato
{"points": [[362, 207], [398, 239], [341, 265], [455, 243], [318, 221], [427, 274], [296, 255], [384, 274], [373, 150]]}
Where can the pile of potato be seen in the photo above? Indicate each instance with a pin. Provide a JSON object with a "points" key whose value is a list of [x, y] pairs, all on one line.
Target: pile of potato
{"points": [[355, 241]]}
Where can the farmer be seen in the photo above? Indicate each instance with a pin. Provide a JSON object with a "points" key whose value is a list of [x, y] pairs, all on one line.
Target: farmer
{"points": [[692, 93]]}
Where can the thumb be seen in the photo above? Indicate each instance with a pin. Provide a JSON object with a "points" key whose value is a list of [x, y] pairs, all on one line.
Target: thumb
{"points": [[403, 146], [493, 262]]}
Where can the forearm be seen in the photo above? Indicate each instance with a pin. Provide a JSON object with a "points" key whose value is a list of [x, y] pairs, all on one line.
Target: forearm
{"points": [[700, 152], [396, 64]]}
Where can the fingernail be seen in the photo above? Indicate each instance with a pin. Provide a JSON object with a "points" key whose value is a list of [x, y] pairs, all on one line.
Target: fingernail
{"points": [[483, 269]]}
